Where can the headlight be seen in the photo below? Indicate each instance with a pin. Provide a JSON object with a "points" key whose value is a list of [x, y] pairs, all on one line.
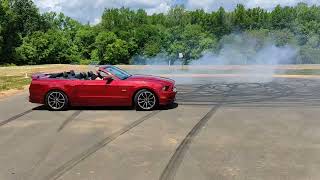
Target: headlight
{"points": [[166, 88]]}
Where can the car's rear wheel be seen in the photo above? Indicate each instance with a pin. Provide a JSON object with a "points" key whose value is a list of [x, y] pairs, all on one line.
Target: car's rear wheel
{"points": [[145, 100], [56, 100]]}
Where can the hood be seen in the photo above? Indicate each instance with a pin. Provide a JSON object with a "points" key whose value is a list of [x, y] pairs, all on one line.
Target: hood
{"points": [[151, 78]]}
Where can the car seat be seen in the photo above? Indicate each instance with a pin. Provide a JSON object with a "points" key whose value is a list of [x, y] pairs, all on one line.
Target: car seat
{"points": [[94, 77], [72, 73], [56, 75], [85, 75], [90, 73], [78, 76], [65, 75]]}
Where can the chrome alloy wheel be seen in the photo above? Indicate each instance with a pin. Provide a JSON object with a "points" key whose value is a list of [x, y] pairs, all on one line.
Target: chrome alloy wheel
{"points": [[56, 100], [146, 100]]}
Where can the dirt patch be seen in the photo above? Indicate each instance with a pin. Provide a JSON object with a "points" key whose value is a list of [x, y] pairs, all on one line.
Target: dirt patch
{"points": [[11, 92]]}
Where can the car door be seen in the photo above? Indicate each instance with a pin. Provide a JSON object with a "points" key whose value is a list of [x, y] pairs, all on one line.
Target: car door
{"points": [[119, 93], [103, 93], [93, 93]]}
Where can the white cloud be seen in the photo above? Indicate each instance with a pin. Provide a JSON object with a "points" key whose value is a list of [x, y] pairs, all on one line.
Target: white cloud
{"points": [[96, 21], [161, 8], [210, 5], [91, 10], [48, 5]]}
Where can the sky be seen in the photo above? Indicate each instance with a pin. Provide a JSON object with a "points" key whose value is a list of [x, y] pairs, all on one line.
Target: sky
{"points": [[91, 10]]}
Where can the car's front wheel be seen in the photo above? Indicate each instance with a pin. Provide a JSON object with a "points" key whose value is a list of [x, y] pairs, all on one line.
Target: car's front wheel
{"points": [[145, 100], [56, 100]]}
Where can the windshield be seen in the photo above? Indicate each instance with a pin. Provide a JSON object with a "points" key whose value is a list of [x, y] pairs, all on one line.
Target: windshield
{"points": [[121, 74]]}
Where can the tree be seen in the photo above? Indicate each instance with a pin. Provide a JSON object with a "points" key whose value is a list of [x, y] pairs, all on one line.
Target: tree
{"points": [[191, 42], [152, 49], [28, 37], [101, 42], [85, 39], [19, 18], [309, 55], [116, 53], [283, 37], [26, 16], [149, 36], [51, 47], [282, 18], [178, 16], [310, 52], [257, 18], [120, 19], [2, 26], [240, 17], [220, 25]]}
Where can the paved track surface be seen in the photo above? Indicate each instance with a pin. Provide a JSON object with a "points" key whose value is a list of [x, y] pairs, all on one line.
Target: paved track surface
{"points": [[217, 130]]}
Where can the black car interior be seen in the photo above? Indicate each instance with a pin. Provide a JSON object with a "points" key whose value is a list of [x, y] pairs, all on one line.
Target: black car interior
{"points": [[72, 75]]}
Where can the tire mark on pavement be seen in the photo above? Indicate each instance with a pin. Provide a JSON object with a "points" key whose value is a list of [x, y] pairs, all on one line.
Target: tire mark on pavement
{"points": [[175, 161], [79, 158], [170, 170], [68, 120], [15, 117], [49, 147]]}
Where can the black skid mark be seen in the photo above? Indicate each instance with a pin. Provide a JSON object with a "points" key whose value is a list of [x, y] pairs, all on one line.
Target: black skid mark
{"points": [[84, 155], [170, 171], [68, 120], [15, 117], [174, 163]]}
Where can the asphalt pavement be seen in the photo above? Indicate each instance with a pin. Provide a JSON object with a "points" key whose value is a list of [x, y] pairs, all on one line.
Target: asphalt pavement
{"points": [[216, 130]]}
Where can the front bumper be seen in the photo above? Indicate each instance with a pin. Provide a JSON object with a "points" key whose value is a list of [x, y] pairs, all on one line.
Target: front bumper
{"points": [[167, 98]]}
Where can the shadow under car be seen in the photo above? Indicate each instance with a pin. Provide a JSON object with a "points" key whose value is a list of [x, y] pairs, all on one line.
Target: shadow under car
{"points": [[106, 108]]}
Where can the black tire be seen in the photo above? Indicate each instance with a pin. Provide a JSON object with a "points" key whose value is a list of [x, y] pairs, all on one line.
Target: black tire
{"points": [[56, 100], [147, 104]]}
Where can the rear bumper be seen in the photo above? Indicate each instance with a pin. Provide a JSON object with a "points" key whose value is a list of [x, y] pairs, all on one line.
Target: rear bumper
{"points": [[167, 98], [36, 99], [36, 94]]}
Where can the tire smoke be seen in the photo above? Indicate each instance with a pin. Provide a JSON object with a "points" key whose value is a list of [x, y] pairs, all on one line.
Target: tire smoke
{"points": [[241, 58]]}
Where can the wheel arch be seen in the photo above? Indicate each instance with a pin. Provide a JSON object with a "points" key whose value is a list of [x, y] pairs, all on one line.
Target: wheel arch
{"points": [[56, 89], [146, 88]]}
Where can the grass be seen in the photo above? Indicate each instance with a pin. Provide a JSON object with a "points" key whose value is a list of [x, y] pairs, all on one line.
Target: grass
{"points": [[303, 72], [23, 70], [14, 77], [13, 82]]}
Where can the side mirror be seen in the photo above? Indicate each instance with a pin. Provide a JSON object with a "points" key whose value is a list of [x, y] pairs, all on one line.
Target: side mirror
{"points": [[109, 79]]}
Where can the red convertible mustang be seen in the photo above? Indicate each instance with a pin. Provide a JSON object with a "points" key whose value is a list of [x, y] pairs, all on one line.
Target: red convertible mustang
{"points": [[109, 86]]}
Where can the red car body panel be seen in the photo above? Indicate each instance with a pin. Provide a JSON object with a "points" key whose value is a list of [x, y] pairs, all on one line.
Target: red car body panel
{"points": [[99, 92]]}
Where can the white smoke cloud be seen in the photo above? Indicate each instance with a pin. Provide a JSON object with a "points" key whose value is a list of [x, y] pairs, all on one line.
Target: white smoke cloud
{"points": [[261, 63], [256, 58], [233, 54]]}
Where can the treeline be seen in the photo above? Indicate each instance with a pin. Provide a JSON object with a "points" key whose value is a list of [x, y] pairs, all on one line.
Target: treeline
{"points": [[29, 37]]}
